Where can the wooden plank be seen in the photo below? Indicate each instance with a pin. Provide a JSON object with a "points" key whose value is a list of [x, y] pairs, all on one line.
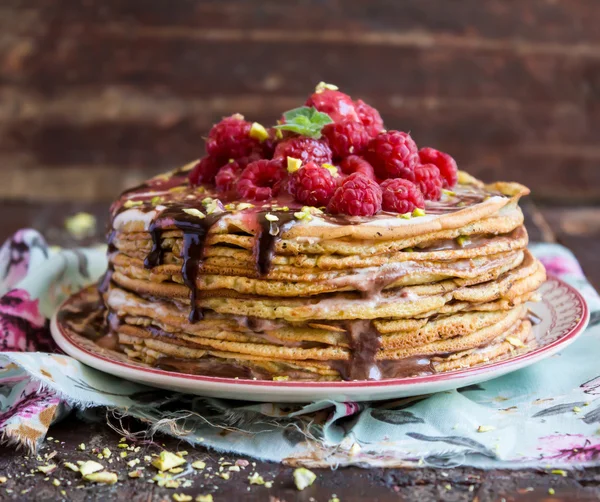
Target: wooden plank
{"points": [[191, 66], [545, 21]]}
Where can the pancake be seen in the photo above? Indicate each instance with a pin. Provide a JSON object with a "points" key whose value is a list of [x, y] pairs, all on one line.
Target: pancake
{"points": [[242, 279]]}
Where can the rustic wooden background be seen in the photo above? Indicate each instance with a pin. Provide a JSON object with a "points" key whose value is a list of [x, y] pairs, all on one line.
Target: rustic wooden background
{"points": [[98, 94]]}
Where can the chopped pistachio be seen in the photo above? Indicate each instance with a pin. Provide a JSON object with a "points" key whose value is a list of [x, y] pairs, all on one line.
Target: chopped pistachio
{"points": [[181, 497], [332, 169], [176, 470], [271, 217], [408, 250], [551, 491], [89, 467], [213, 207], [137, 473], [155, 201], [244, 205], [234, 468], [147, 458], [281, 378], [515, 342], [47, 469], [405, 216], [123, 454], [576, 409], [122, 445], [106, 477], [293, 164], [322, 86], [3, 479], [256, 479], [418, 212], [278, 134], [198, 464], [81, 446], [268, 484], [56, 482], [194, 212], [207, 200], [167, 460], [204, 498], [303, 478], [133, 462], [257, 131], [560, 472], [132, 203], [485, 428], [80, 225], [230, 206], [449, 193], [177, 189], [171, 483], [462, 240]]}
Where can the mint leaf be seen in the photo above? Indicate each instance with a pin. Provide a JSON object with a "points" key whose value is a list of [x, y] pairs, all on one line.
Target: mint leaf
{"points": [[306, 121]]}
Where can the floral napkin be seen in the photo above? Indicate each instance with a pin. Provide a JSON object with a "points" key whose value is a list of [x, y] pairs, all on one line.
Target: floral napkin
{"points": [[544, 415]]}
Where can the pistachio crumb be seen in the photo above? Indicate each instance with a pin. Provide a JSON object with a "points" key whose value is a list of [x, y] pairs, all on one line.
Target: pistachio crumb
{"points": [[322, 86], [89, 467], [560, 472], [56, 482], [258, 131], [128, 204], [551, 491], [576, 409], [418, 212], [486, 428], [271, 217], [204, 498], [303, 478], [198, 464], [281, 378], [293, 164], [47, 469], [167, 460], [81, 446], [106, 477], [181, 497], [256, 479], [332, 169]]}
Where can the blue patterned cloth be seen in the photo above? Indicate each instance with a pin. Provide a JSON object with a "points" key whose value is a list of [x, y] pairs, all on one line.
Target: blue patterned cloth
{"points": [[544, 415]]}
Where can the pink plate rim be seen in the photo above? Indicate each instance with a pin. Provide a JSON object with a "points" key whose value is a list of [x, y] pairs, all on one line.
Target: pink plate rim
{"points": [[449, 376]]}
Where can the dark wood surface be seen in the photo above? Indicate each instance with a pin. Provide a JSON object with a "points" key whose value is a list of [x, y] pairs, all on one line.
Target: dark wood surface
{"points": [[578, 228], [97, 94]]}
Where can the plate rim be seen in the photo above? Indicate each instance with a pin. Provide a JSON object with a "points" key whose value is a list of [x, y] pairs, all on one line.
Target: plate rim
{"points": [[66, 344]]}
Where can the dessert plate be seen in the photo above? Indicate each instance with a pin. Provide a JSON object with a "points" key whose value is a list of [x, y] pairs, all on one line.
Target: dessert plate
{"points": [[563, 313]]}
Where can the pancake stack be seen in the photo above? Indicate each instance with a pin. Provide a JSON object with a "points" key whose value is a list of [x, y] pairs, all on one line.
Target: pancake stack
{"points": [[276, 290]]}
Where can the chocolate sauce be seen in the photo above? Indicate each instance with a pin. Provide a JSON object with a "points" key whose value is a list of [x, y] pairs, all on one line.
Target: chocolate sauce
{"points": [[365, 341], [209, 367], [268, 232], [533, 318], [194, 231]]}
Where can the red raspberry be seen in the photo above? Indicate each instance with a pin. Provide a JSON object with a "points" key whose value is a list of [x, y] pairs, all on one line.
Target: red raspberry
{"points": [[231, 139], [443, 161], [261, 180], [369, 117], [429, 181], [205, 171], [305, 149], [357, 196], [401, 196], [336, 104], [313, 185], [393, 155], [227, 176], [355, 164], [346, 137]]}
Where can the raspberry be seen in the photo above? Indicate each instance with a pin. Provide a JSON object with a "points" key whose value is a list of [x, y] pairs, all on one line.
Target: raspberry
{"points": [[369, 117], [429, 181], [231, 139], [313, 185], [336, 104], [393, 155], [357, 196], [356, 164], [205, 171], [305, 149], [443, 161], [401, 196], [346, 137], [227, 176], [261, 180]]}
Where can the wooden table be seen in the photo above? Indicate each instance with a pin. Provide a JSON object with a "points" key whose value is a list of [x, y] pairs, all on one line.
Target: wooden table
{"points": [[578, 228]]}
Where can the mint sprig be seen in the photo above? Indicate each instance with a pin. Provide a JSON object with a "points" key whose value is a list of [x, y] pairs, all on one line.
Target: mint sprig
{"points": [[307, 121]]}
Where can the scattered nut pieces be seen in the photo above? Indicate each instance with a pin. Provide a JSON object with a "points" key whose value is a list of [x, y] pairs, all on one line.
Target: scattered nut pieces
{"points": [[137, 473], [258, 131], [418, 212], [204, 498], [176, 470], [486, 428], [56, 482], [198, 464], [256, 479], [293, 165], [70, 465], [271, 217], [281, 378], [171, 483], [322, 86], [47, 469], [3, 479], [106, 477], [167, 460], [89, 467], [132, 203], [560, 472], [81, 446], [303, 478], [181, 497]]}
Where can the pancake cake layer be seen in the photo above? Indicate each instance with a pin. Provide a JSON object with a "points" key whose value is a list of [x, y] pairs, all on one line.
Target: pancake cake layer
{"points": [[206, 279]]}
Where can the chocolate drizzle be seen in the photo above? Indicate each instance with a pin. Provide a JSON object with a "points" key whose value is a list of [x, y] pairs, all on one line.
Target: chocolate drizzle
{"points": [[194, 231], [264, 244]]}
